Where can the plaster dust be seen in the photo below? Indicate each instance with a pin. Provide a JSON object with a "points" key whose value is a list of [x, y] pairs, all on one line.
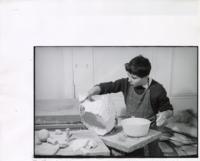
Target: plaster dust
{"points": [[84, 145]]}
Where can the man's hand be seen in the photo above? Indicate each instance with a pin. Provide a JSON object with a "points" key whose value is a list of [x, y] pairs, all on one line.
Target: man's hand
{"points": [[88, 97], [162, 117], [94, 91]]}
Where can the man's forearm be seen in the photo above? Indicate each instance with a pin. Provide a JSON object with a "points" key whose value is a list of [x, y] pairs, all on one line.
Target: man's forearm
{"points": [[94, 91]]}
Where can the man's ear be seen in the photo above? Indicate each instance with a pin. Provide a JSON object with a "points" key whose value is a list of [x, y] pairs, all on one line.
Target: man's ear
{"points": [[147, 77]]}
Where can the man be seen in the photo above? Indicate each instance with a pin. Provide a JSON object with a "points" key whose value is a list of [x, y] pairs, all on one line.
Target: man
{"points": [[143, 96]]}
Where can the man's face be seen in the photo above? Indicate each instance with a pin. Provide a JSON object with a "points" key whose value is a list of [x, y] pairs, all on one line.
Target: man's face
{"points": [[135, 80]]}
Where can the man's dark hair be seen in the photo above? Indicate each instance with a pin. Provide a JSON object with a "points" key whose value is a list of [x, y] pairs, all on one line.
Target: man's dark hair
{"points": [[139, 66]]}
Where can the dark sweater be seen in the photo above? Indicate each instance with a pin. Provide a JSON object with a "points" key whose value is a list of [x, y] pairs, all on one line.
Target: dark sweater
{"points": [[158, 96]]}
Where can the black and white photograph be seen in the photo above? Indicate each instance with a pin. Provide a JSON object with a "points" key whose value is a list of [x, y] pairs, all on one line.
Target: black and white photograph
{"points": [[99, 79], [137, 102]]}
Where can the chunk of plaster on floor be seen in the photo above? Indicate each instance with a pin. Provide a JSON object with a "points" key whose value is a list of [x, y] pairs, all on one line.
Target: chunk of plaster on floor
{"points": [[43, 135], [52, 141], [91, 144], [68, 133], [78, 144], [63, 144], [58, 132], [86, 144]]}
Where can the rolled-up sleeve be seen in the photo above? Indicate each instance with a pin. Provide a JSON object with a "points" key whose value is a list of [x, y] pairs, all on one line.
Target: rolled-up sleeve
{"points": [[163, 101], [111, 87]]}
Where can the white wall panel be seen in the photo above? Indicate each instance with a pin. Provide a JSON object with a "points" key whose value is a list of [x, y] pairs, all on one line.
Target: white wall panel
{"points": [[82, 69], [53, 73], [184, 72], [161, 66], [68, 72]]}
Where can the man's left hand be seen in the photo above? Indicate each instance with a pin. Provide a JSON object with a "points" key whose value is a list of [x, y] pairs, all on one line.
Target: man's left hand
{"points": [[162, 118]]}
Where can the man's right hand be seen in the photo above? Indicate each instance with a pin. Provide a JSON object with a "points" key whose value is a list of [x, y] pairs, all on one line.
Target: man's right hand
{"points": [[94, 91], [87, 98]]}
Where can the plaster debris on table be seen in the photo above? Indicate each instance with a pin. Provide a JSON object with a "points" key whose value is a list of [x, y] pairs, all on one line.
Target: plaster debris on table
{"points": [[83, 144], [63, 144], [65, 140], [68, 133], [43, 135], [91, 144], [52, 141], [58, 132], [58, 137]]}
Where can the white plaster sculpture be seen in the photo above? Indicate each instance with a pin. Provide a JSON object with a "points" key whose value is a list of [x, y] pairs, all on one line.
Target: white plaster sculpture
{"points": [[98, 115]]}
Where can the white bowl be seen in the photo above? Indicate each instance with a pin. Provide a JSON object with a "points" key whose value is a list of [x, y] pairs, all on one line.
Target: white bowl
{"points": [[136, 127]]}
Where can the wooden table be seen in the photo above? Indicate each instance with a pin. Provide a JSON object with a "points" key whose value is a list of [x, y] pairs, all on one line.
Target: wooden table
{"points": [[119, 141], [47, 150]]}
